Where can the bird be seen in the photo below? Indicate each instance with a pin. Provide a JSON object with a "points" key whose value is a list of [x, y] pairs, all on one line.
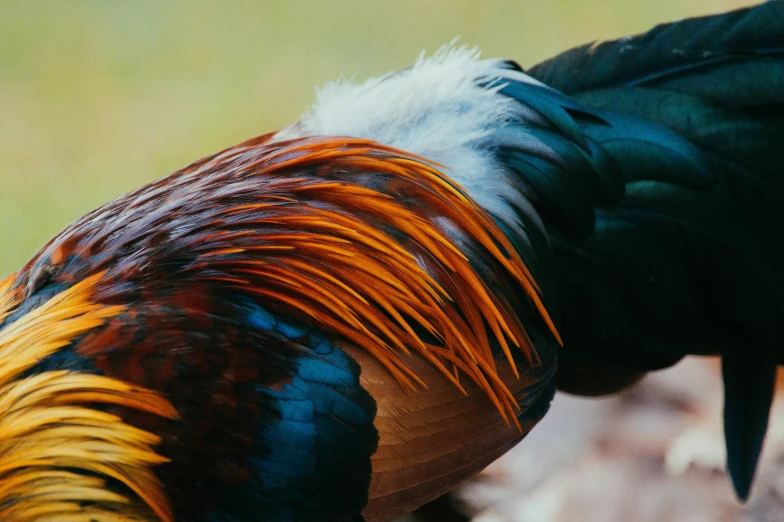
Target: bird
{"points": [[341, 320]]}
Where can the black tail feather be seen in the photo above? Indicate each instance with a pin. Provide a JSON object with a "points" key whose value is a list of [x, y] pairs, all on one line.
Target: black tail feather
{"points": [[749, 381], [693, 114]]}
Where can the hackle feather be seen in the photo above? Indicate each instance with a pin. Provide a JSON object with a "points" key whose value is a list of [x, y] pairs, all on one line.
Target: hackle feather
{"points": [[371, 266]]}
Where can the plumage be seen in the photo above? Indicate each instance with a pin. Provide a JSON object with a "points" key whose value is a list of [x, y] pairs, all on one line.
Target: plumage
{"points": [[342, 320]]}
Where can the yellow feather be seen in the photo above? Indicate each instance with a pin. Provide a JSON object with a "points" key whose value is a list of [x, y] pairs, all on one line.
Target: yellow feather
{"points": [[46, 432]]}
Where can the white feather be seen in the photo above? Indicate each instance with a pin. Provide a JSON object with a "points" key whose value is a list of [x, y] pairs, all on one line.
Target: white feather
{"points": [[434, 109]]}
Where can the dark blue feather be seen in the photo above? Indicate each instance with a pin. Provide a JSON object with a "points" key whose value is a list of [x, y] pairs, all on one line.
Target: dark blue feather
{"points": [[313, 462]]}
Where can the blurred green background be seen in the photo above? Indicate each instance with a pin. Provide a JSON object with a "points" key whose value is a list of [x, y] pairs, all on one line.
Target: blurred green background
{"points": [[98, 97]]}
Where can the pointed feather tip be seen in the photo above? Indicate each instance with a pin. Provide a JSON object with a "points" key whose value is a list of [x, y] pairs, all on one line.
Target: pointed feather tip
{"points": [[742, 489], [742, 468], [749, 384]]}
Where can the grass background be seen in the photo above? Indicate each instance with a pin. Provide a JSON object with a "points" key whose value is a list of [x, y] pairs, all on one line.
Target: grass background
{"points": [[98, 97]]}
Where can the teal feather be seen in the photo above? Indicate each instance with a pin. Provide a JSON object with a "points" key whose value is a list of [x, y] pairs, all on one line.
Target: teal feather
{"points": [[688, 259]]}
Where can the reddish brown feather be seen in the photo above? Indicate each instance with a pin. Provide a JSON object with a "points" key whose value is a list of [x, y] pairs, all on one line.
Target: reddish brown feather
{"points": [[466, 342], [360, 239]]}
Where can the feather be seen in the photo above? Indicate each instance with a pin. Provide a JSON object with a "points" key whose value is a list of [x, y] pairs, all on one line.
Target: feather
{"points": [[47, 430], [682, 49], [692, 117]]}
